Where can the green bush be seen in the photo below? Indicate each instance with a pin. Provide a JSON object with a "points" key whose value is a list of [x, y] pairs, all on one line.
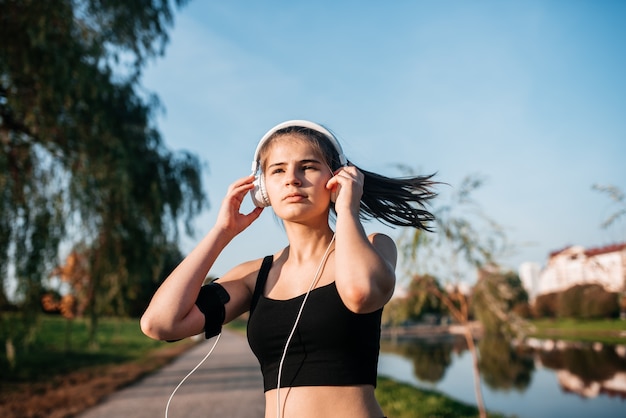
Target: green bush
{"points": [[598, 303], [588, 301], [545, 306]]}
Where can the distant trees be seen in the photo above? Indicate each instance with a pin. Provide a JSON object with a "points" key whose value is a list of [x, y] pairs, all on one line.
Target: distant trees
{"points": [[466, 240], [494, 297], [81, 163], [417, 303], [585, 301], [590, 301]]}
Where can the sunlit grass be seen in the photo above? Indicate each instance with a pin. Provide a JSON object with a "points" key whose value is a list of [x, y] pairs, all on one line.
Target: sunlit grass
{"points": [[62, 346], [400, 400], [608, 331]]}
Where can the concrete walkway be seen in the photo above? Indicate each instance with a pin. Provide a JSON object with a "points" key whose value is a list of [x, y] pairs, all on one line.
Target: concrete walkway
{"points": [[228, 384]]}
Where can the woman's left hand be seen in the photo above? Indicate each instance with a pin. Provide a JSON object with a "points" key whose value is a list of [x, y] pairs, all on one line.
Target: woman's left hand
{"points": [[347, 188]]}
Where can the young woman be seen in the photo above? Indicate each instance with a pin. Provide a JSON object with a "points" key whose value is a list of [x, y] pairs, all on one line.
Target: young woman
{"points": [[315, 306]]}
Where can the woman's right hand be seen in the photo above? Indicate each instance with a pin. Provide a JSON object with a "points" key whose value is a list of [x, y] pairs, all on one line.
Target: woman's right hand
{"points": [[229, 218]]}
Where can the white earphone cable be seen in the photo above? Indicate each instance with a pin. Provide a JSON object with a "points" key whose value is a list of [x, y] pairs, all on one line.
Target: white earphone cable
{"points": [[293, 330], [167, 407], [295, 325]]}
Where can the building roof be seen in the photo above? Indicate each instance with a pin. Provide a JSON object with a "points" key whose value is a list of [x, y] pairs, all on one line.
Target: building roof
{"points": [[592, 251], [606, 249]]}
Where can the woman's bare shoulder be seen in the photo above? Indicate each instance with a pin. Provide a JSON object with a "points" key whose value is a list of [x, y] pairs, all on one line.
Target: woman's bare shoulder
{"points": [[385, 245], [244, 271], [378, 238]]}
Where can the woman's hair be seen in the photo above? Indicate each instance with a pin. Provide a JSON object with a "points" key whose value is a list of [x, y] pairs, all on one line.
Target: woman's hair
{"points": [[400, 201]]}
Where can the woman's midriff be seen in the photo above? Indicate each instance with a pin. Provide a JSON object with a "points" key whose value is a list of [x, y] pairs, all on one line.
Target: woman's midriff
{"points": [[324, 401]]}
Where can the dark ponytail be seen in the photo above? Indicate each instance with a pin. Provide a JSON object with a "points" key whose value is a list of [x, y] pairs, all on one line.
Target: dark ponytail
{"points": [[398, 201]]}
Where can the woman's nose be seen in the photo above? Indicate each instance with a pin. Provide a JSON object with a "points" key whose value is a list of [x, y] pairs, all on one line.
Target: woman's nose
{"points": [[292, 177]]}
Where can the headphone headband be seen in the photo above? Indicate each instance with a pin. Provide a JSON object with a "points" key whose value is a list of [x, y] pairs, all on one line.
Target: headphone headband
{"points": [[305, 124]]}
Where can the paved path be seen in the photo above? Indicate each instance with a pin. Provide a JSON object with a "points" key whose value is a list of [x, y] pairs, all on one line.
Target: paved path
{"points": [[228, 384]]}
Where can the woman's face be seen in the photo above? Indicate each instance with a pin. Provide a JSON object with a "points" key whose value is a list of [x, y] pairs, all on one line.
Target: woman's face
{"points": [[295, 179]]}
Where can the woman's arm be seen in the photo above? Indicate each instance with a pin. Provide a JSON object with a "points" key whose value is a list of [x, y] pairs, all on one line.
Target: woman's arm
{"points": [[364, 266], [172, 313]]}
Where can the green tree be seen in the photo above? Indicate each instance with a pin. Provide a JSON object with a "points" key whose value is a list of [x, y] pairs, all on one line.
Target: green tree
{"points": [[422, 300], [588, 301], [395, 313], [417, 302], [546, 305], [465, 239], [81, 162], [495, 300]]}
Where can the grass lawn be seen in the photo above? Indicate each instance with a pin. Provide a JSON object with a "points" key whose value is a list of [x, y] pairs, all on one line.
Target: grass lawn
{"points": [[56, 379], [400, 400], [61, 346], [607, 331]]}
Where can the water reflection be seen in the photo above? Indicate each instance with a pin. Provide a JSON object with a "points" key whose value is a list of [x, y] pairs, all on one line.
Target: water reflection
{"points": [[593, 373], [585, 369], [503, 366], [431, 357]]}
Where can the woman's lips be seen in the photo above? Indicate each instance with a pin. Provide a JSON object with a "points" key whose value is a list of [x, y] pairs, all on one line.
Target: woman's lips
{"points": [[294, 197]]}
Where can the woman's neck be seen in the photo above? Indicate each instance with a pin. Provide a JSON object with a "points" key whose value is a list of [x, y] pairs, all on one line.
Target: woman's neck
{"points": [[306, 243]]}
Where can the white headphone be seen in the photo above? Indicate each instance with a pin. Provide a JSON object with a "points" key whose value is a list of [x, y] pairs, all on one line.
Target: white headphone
{"points": [[259, 193]]}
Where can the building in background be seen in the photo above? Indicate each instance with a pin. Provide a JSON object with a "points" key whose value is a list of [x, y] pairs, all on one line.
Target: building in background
{"points": [[575, 265]]}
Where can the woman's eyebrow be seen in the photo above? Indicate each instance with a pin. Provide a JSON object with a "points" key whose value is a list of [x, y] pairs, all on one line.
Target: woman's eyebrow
{"points": [[310, 161], [305, 161]]}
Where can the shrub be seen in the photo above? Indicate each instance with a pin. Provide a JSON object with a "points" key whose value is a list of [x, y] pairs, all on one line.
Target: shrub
{"points": [[598, 303], [588, 301], [545, 305]]}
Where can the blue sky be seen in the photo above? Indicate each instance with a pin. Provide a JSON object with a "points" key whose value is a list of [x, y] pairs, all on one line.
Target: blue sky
{"points": [[531, 95]]}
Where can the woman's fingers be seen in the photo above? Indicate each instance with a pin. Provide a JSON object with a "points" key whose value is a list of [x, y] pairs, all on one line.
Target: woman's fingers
{"points": [[241, 186], [348, 180], [229, 214]]}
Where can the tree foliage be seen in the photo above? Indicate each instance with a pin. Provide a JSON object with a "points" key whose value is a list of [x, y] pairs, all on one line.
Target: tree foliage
{"points": [[418, 302], [421, 300], [588, 301], [81, 163], [465, 237], [495, 298], [546, 305]]}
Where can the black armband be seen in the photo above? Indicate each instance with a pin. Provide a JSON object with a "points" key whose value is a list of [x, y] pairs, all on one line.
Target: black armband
{"points": [[211, 301]]}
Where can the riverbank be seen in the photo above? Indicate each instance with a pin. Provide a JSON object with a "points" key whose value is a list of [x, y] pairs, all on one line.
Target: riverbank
{"points": [[606, 331], [424, 331]]}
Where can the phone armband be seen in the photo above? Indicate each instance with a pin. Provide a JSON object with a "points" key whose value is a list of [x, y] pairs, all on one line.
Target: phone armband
{"points": [[211, 301]]}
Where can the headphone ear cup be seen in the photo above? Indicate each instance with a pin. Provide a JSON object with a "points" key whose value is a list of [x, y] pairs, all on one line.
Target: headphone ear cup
{"points": [[259, 194]]}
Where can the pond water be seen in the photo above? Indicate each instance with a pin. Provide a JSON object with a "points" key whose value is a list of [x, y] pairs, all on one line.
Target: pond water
{"points": [[534, 380]]}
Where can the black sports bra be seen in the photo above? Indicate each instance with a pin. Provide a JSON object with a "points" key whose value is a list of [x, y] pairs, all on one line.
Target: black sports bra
{"points": [[332, 346]]}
